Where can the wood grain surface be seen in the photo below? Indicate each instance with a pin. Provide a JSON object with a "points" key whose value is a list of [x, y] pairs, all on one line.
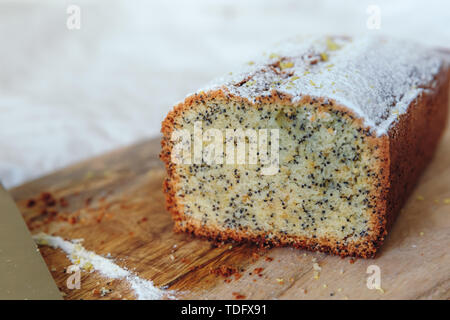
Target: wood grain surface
{"points": [[115, 203]]}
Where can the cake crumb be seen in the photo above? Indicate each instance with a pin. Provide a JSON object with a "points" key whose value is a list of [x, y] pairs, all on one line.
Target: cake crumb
{"points": [[238, 296], [258, 271], [104, 291], [224, 271], [31, 203], [63, 202]]}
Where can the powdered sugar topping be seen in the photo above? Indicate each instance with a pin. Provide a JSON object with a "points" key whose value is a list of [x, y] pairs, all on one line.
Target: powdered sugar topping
{"points": [[89, 261], [375, 77]]}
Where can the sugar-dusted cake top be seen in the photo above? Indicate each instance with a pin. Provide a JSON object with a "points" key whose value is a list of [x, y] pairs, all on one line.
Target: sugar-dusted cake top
{"points": [[375, 77]]}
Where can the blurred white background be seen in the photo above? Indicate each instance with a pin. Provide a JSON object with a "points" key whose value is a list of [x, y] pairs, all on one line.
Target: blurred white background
{"points": [[66, 95]]}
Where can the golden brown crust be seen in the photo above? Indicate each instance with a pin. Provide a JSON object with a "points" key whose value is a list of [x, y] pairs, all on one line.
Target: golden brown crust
{"points": [[403, 155], [413, 140]]}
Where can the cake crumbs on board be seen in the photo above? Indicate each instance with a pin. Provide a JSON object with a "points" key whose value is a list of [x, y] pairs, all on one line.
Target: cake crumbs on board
{"points": [[90, 262]]}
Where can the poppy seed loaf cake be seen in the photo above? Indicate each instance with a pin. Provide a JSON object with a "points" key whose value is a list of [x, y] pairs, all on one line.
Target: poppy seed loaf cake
{"points": [[334, 133]]}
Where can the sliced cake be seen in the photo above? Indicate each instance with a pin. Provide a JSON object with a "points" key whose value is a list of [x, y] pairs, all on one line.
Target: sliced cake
{"points": [[317, 144]]}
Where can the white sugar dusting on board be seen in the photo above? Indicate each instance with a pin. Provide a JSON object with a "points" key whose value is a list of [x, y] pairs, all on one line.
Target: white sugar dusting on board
{"points": [[377, 78], [89, 261]]}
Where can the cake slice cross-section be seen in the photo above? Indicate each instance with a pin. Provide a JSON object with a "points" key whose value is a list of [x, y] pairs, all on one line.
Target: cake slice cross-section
{"points": [[317, 144]]}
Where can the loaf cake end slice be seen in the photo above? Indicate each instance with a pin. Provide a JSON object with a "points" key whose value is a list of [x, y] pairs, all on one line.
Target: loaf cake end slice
{"points": [[334, 134]]}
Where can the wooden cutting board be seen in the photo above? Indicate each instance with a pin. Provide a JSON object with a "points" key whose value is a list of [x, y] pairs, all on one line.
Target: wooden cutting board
{"points": [[115, 203]]}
